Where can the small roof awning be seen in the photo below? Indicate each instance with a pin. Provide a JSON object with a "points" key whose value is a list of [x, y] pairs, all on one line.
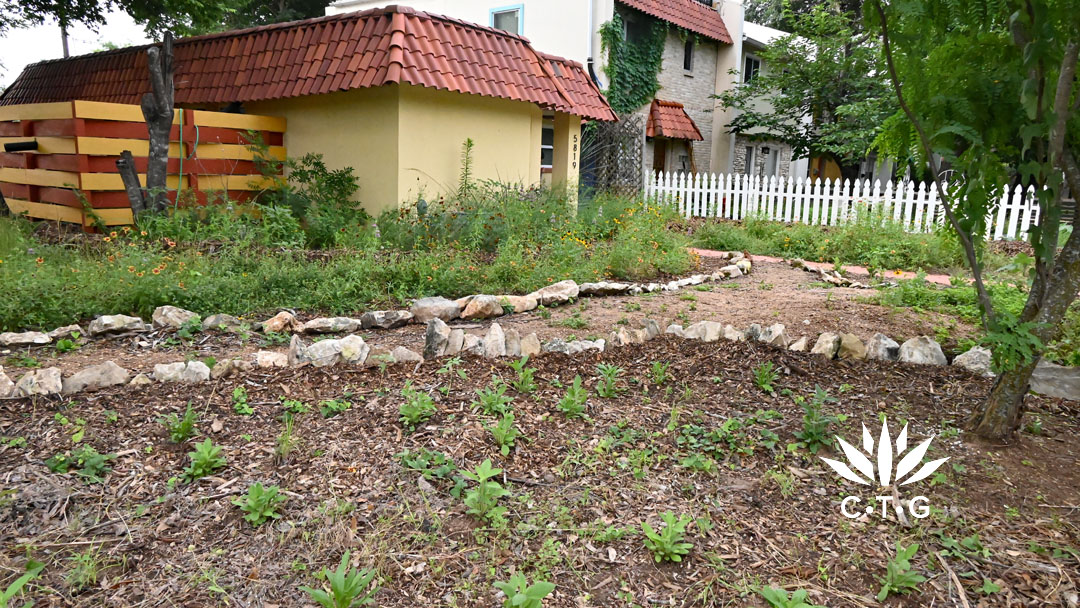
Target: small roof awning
{"points": [[669, 119]]}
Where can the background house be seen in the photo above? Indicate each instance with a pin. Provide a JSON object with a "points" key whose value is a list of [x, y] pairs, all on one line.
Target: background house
{"points": [[393, 93]]}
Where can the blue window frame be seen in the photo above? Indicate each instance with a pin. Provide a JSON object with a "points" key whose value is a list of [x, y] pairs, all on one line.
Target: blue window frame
{"points": [[509, 18]]}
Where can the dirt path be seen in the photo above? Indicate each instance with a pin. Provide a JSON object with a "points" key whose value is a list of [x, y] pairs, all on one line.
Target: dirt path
{"points": [[773, 293]]}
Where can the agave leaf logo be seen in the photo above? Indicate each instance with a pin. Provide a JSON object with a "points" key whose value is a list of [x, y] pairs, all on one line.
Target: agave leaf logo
{"points": [[861, 461]]}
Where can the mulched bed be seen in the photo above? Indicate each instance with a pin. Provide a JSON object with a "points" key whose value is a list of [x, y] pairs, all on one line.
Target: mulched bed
{"points": [[579, 489]]}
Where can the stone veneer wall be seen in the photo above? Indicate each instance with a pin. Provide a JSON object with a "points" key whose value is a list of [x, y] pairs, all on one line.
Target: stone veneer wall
{"points": [[739, 167]]}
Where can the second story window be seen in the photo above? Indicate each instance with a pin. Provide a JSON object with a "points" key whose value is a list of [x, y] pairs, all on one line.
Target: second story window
{"points": [[751, 67], [508, 19], [688, 55]]}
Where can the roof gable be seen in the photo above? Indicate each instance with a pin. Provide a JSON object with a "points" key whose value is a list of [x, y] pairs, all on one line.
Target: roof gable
{"points": [[326, 55], [687, 14]]}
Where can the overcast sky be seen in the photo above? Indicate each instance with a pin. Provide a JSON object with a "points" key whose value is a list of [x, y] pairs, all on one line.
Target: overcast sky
{"points": [[22, 47]]}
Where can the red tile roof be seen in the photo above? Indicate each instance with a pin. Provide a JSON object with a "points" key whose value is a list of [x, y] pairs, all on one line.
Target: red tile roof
{"points": [[669, 119], [688, 14], [325, 55]]}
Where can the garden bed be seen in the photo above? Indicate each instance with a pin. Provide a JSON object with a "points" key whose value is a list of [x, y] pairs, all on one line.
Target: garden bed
{"points": [[763, 513]]}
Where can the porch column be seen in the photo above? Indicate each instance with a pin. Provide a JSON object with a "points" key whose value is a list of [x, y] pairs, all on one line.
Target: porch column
{"points": [[566, 164]]}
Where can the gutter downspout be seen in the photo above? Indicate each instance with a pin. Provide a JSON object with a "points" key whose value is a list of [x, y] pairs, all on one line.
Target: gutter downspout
{"points": [[590, 64]]}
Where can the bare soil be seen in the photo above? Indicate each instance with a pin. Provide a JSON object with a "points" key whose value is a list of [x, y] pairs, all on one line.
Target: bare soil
{"points": [[579, 489]]}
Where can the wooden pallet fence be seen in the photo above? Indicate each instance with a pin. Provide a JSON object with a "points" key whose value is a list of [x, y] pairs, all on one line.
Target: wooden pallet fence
{"points": [[73, 168], [915, 206]]}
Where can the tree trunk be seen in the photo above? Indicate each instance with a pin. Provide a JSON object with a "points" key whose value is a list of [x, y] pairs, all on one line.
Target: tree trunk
{"points": [[1001, 412], [125, 165], [157, 109]]}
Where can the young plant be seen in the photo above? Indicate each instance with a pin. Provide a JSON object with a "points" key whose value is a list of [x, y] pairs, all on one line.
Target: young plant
{"points": [[815, 422], [181, 429], [482, 500], [332, 407], [33, 569], [432, 465], [66, 345], [348, 587], [520, 594], [505, 433], [764, 376], [778, 598], [573, 403], [898, 575], [493, 401], [190, 328], [259, 504], [609, 377], [524, 383], [87, 462], [294, 407], [240, 402], [668, 544], [287, 440], [205, 460], [449, 369], [659, 372], [417, 408]]}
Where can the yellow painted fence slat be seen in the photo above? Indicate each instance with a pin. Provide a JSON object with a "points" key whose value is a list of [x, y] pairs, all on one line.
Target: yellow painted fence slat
{"points": [[39, 177], [47, 211], [37, 111]]}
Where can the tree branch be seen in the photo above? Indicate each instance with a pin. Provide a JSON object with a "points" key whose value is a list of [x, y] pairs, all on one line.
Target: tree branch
{"points": [[985, 303]]}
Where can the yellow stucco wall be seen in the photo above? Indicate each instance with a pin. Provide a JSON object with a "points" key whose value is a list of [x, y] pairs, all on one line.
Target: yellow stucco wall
{"points": [[433, 127], [355, 129], [402, 140]]}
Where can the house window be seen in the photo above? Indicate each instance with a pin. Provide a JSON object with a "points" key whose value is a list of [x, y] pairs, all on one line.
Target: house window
{"points": [[508, 19], [636, 29], [688, 55], [772, 161], [751, 67], [547, 147]]}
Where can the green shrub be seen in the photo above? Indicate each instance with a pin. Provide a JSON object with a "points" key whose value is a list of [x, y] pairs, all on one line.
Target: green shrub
{"points": [[418, 406], [260, 503], [181, 429], [206, 459]]}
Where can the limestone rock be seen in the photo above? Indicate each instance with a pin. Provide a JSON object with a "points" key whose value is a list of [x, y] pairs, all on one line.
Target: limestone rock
{"points": [[706, 331], [226, 368], [976, 361], [530, 346], [731, 271], [557, 293], [189, 371], [735, 335], [652, 329], [603, 288], [171, 316], [404, 355], [513, 343], [557, 345], [26, 338], [297, 352], [1056, 380], [882, 348], [799, 345], [324, 353], [743, 265], [624, 336], [455, 343], [269, 358], [7, 387], [354, 350], [67, 331], [775, 335], [283, 322], [114, 324], [95, 377], [140, 380], [923, 350], [331, 325], [827, 345], [426, 309], [851, 347], [473, 345], [675, 330], [39, 382], [495, 342], [436, 338], [385, 319], [482, 307], [221, 322], [517, 304]]}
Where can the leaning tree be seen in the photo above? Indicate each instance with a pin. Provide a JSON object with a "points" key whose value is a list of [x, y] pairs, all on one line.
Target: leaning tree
{"points": [[990, 89]]}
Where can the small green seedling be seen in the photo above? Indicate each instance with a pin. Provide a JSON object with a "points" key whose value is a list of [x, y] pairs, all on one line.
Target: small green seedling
{"points": [[482, 500], [778, 598], [493, 400], [87, 462], [668, 544], [348, 587], [573, 403], [240, 402], [898, 575], [295, 407], [765, 376], [609, 377], [259, 504], [33, 569], [659, 372], [505, 433], [520, 594], [417, 408], [332, 407], [524, 382], [205, 460], [181, 429]]}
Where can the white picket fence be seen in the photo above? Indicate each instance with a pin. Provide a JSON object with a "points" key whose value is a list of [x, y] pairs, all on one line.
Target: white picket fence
{"points": [[829, 203]]}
